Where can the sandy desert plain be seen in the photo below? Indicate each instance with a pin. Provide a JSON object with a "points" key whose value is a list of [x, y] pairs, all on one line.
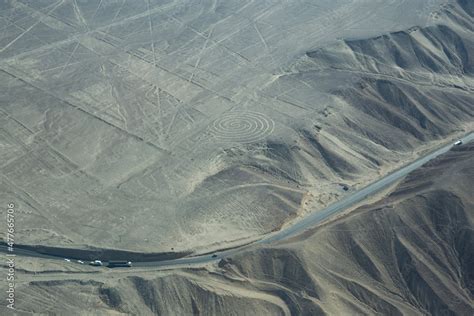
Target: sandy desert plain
{"points": [[185, 127]]}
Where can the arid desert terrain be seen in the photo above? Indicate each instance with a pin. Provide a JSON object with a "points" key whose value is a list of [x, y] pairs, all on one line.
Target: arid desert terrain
{"points": [[178, 127], [151, 125], [411, 252]]}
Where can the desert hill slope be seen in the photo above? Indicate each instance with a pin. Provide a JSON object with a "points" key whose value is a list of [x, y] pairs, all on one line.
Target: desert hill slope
{"points": [[410, 253]]}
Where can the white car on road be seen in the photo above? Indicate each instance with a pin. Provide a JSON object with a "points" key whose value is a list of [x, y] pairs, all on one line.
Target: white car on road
{"points": [[96, 263]]}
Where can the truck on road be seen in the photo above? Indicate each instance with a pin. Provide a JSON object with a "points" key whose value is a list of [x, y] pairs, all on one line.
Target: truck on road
{"points": [[117, 264]]}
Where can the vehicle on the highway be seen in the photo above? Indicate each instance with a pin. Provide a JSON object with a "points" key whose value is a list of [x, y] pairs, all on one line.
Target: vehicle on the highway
{"points": [[96, 263], [214, 256], [80, 261], [118, 264], [68, 260], [459, 142]]}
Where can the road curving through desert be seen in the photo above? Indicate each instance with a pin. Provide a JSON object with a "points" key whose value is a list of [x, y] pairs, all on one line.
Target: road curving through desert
{"points": [[298, 227]]}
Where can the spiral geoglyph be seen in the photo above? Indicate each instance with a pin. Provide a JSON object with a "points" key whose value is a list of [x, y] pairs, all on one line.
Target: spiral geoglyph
{"points": [[241, 127]]}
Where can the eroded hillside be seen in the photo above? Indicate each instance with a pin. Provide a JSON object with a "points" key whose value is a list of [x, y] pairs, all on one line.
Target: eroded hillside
{"points": [[410, 253]]}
